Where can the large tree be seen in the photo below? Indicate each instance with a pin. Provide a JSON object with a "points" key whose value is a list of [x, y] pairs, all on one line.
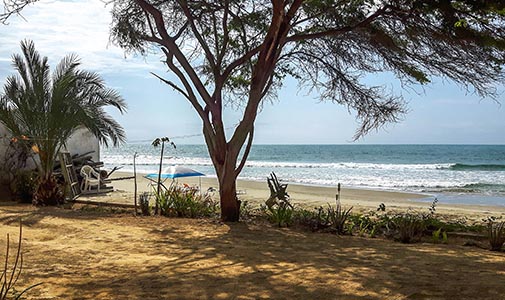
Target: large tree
{"points": [[13, 7], [241, 50], [45, 109]]}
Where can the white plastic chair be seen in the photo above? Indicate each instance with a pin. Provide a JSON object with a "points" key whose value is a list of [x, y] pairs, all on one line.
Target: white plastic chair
{"points": [[90, 178]]}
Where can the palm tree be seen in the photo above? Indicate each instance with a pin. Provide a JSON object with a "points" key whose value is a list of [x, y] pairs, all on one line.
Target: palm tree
{"points": [[47, 109]]}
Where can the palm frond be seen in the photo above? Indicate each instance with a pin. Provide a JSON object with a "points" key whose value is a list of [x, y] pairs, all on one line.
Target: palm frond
{"points": [[50, 108]]}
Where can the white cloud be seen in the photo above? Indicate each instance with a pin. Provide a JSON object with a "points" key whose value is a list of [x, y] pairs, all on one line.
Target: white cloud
{"points": [[62, 27]]}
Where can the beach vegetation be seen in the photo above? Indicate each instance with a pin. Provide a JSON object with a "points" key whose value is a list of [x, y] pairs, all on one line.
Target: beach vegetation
{"points": [[156, 143], [496, 234], [409, 227], [183, 202], [307, 218], [280, 213], [11, 271], [242, 51], [17, 153], [439, 236], [43, 110], [248, 212], [363, 224], [145, 208], [24, 185], [338, 218]]}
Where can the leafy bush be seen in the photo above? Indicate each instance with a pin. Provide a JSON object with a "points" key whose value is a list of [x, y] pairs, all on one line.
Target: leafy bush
{"points": [[306, 218], [329, 219], [496, 235], [281, 214], [182, 202], [409, 226], [439, 236], [10, 275], [25, 184], [49, 192], [338, 218], [363, 224], [144, 204], [247, 212]]}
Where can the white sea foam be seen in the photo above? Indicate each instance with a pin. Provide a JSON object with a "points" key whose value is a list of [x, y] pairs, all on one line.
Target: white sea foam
{"points": [[199, 161], [408, 177]]}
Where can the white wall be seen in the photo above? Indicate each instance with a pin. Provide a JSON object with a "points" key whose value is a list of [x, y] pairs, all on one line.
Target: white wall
{"points": [[83, 141], [80, 142]]}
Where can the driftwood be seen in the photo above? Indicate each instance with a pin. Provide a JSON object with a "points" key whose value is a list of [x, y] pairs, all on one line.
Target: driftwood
{"points": [[278, 192]]}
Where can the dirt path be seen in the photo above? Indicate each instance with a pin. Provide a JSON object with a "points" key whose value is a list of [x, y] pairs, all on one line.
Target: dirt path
{"points": [[93, 255]]}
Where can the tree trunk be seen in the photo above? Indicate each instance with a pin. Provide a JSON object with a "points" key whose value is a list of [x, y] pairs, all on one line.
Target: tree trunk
{"points": [[225, 161], [230, 205]]}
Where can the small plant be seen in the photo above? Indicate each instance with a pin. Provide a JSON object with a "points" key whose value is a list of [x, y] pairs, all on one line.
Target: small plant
{"points": [[439, 236], [496, 234], [338, 218], [247, 212], [10, 275], [281, 214], [182, 202], [25, 184], [156, 143], [409, 227], [363, 224], [306, 218], [144, 204], [49, 192]]}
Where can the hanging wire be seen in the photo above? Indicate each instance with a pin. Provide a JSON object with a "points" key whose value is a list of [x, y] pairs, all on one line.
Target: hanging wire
{"points": [[33, 138]]}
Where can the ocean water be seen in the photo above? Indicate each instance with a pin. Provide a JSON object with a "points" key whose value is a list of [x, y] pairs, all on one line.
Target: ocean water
{"points": [[472, 174]]}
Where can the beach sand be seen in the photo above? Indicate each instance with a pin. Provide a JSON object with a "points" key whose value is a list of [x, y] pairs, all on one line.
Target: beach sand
{"points": [[91, 254], [87, 252], [362, 200]]}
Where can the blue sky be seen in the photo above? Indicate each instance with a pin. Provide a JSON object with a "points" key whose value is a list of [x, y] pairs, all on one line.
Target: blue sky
{"points": [[442, 113]]}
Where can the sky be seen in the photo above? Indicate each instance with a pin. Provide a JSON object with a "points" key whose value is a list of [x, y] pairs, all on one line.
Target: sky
{"points": [[439, 113]]}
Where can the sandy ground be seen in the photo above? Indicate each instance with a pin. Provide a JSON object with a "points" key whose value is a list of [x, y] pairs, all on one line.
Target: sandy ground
{"points": [[85, 252], [311, 196], [90, 254]]}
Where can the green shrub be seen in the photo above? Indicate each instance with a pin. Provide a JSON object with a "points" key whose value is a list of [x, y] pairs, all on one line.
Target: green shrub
{"points": [[281, 214], [338, 218], [306, 218], [363, 224], [496, 235], [25, 184], [182, 202], [145, 208], [247, 212], [409, 227], [332, 219], [439, 236]]}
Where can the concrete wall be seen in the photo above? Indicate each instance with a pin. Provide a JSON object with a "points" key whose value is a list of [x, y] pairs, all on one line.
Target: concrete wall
{"points": [[83, 141]]}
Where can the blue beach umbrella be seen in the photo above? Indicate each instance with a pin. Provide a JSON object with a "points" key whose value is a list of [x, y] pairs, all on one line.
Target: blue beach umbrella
{"points": [[176, 172]]}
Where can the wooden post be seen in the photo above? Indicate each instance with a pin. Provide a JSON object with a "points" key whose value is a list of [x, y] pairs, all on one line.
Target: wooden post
{"points": [[135, 181], [159, 178]]}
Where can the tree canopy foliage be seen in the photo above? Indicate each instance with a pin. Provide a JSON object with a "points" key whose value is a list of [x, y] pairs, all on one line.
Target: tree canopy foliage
{"points": [[240, 51], [13, 7]]}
